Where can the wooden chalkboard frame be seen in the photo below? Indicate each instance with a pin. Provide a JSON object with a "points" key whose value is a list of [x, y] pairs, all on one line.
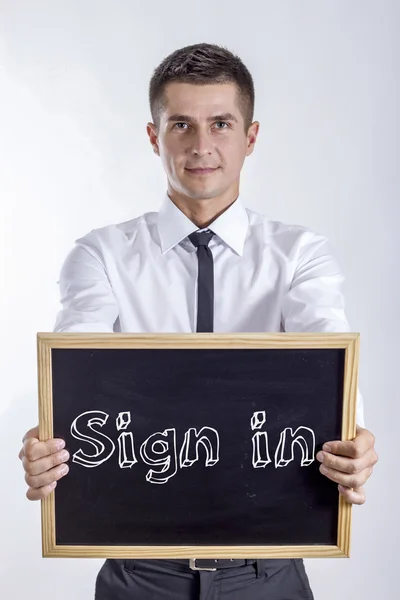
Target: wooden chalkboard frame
{"points": [[349, 342]]}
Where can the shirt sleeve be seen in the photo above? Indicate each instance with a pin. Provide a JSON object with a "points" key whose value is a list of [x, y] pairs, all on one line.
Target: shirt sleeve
{"points": [[87, 299], [314, 301]]}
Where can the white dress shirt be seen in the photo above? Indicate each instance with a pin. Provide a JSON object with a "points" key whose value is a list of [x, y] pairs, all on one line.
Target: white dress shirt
{"points": [[141, 276]]}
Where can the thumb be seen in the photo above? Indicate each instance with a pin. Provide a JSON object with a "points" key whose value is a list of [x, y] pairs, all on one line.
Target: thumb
{"points": [[32, 433]]}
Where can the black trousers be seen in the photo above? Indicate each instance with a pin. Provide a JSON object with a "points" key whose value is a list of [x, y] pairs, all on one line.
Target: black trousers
{"points": [[272, 579]]}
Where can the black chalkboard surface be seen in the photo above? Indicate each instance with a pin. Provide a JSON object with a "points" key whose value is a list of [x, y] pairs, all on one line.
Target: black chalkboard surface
{"points": [[196, 445]]}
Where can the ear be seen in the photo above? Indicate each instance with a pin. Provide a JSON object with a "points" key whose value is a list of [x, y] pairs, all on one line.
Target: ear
{"points": [[153, 136], [252, 137]]}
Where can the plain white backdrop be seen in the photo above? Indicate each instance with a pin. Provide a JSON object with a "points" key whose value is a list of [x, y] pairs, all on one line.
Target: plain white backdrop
{"points": [[74, 155]]}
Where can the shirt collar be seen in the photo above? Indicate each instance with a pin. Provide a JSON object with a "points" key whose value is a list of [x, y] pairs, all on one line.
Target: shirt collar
{"points": [[174, 226]]}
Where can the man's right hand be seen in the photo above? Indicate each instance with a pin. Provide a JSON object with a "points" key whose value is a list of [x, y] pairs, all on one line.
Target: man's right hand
{"points": [[43, 462]]}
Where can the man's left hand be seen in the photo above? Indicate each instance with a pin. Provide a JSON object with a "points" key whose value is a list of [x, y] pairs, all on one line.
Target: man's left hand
{"points": [[350, 464]]}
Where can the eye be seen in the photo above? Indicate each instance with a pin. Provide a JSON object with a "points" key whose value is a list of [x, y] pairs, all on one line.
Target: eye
{"points": [[219, 122]]}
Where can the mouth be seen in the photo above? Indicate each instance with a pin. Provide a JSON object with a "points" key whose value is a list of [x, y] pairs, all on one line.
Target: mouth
{"points": [[201, 171]]}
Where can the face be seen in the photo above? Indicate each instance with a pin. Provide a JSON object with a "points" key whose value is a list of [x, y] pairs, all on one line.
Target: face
{"points": [[202, 128]]}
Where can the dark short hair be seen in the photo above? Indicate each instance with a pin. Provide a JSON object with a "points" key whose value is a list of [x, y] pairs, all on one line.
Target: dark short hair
{"points": [[202, 64]]}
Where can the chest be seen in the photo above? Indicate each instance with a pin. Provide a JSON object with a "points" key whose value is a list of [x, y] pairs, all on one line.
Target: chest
{"points": [[158, 291]]}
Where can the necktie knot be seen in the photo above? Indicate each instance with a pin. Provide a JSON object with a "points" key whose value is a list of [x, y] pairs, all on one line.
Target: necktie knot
{"points": [[201, 238]]}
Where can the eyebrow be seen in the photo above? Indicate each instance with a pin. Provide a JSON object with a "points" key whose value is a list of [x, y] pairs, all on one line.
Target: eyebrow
{"points": [[223, 117]]}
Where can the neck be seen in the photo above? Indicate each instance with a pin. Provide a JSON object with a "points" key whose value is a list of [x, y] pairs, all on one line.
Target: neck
{"points": [[202, 212]]}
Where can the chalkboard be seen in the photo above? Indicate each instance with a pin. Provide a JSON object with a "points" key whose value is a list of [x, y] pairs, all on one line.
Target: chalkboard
{"points": [[188, 445]]}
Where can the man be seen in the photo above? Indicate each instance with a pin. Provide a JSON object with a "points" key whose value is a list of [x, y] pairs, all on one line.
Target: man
{"points": [[203, 263]]}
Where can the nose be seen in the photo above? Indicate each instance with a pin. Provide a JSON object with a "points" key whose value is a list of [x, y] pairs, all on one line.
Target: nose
{"points": [[202, 144]]}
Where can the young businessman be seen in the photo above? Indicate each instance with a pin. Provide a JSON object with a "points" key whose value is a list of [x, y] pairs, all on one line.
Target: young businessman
{"points": [[204, 262]]}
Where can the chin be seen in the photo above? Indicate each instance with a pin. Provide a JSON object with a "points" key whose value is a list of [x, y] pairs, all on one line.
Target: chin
{"points": [[206, 195]]}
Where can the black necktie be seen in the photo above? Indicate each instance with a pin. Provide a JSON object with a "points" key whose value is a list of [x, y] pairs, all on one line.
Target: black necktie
{"points": [[205, 280]]}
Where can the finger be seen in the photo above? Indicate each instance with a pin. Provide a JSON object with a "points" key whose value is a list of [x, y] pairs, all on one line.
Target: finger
{"points": [[42, 465], [33, 449], [356, 496], [40, 493], [347, 465], [37, 481], [350, 481], [32, 433], [355, 448]]}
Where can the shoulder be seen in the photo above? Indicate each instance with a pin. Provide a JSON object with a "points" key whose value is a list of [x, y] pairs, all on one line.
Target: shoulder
{"points": [[110, 237], [290, 238]]}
